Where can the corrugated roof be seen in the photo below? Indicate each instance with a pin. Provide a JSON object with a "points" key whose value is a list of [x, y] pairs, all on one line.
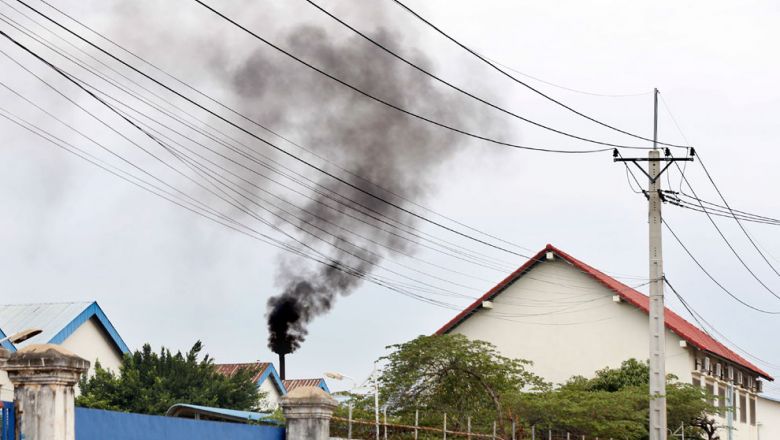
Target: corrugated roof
{"points": [[231, 369], [183, 409], [49, 317], [673, 321], [292, 384]]}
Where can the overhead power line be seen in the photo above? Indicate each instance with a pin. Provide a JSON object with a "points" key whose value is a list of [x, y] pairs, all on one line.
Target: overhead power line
{"points": [[712, 278], [459, 89], [214, 179], [526, 85], [696, 261], [398, 108], [269, 130], [228, 222], [270, 144], [736, 218], [701, 321], [726, 240], [168, 114], [583, 92]]}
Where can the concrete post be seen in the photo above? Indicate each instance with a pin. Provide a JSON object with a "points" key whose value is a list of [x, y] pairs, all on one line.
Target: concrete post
{"points": [[308, 411], [43, 376]]}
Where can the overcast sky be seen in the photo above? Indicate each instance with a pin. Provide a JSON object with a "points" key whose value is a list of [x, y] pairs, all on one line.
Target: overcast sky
{"points": [[72, 232]]}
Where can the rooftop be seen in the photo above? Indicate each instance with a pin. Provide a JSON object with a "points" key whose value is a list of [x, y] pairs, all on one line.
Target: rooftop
{"points": [[674, 322]]}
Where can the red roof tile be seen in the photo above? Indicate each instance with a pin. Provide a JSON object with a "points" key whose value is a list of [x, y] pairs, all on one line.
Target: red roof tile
{"points": [[231, 369], [674, 322]]}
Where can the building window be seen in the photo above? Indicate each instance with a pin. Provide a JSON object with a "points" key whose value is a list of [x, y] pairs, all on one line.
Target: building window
{"points": [[742, 408], [696, 382], [722, 400], [711, 392], [753, 411]]}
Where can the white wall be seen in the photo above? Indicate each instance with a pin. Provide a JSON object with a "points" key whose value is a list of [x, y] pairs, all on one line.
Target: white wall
{"points": [[272, 397], [6, 389], [768, 412], [567, 324], [91, 342]]}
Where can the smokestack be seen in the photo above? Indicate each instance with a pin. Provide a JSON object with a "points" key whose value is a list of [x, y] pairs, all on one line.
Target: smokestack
{"points": [[281, 366]]}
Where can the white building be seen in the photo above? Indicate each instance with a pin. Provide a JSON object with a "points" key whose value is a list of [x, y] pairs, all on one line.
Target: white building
{"points": [[571, 319], [269, 382], [81, 327], [266, 378]]}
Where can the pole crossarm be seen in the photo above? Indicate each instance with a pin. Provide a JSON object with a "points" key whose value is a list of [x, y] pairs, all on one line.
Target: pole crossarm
{"points": [[669, 161]]}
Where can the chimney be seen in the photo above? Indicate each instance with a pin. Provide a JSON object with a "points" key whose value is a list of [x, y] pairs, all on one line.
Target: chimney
{"points": [[281, 366]]}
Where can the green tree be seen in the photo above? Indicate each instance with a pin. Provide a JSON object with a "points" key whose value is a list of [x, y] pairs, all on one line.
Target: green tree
{"points": [[150, 383], [614, 403], [454, 375]]}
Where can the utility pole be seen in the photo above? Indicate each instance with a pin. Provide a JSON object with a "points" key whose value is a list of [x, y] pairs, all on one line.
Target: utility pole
{"points": [[730, 410], [658, 425], [657, 327]]}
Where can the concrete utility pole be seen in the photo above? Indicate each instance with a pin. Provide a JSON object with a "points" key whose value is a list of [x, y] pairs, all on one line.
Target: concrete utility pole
{"points": [[658, 425], [657, 327]]}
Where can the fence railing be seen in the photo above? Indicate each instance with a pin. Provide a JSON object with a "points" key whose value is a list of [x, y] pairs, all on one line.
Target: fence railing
{"points": [[348, 428], [7, 421]]}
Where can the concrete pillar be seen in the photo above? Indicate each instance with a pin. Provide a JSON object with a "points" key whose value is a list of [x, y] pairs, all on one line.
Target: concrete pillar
{"points": [[308, 411], [43, 376]]}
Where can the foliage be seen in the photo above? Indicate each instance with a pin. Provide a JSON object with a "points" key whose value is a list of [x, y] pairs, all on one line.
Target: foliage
{"points": [[614, 403], [709, 427], [463, 378], [454, 375], [150, 383]]}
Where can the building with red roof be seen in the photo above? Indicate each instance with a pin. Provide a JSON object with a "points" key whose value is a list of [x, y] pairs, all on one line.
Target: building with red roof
{"points": [[569, 319], [266, 378], [269, 382]]}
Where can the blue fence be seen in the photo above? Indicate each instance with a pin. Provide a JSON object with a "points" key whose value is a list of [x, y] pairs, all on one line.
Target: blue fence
{"points": [[95, 424], [7, 421]]}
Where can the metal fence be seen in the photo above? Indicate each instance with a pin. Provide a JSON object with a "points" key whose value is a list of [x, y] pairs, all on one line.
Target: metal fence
{"points": [[347, 428], [7, 421], [95, 424]]}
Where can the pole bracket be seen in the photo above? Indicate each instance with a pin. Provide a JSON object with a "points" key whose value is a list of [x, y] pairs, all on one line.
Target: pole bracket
{"points": [[668, 160]]}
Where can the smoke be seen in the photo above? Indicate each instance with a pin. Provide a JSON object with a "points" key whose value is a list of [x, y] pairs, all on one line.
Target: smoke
{"points": [[368, 139]]}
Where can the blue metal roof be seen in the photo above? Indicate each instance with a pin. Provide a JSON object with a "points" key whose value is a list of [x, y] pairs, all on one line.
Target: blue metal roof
{"points": [[57, 320], [222, 412]]}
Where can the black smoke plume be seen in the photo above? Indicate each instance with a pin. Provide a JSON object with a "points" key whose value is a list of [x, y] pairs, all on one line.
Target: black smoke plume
{"points": [[370, 140]]}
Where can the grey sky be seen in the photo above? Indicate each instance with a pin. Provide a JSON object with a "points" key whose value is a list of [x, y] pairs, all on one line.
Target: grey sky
{"points": [[163, 275]]}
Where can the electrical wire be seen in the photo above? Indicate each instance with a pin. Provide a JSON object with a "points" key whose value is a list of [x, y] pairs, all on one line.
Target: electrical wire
{"points": [[706, 272], [454, 87], [282, 150], [401, 109], [217, 140], [264, 127], [233, 202], [225, 157], [250, 120], [701, 321], [32, 128], [741, 226], [569, 89], [526, 85], [701, 267], [728, 243]]}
